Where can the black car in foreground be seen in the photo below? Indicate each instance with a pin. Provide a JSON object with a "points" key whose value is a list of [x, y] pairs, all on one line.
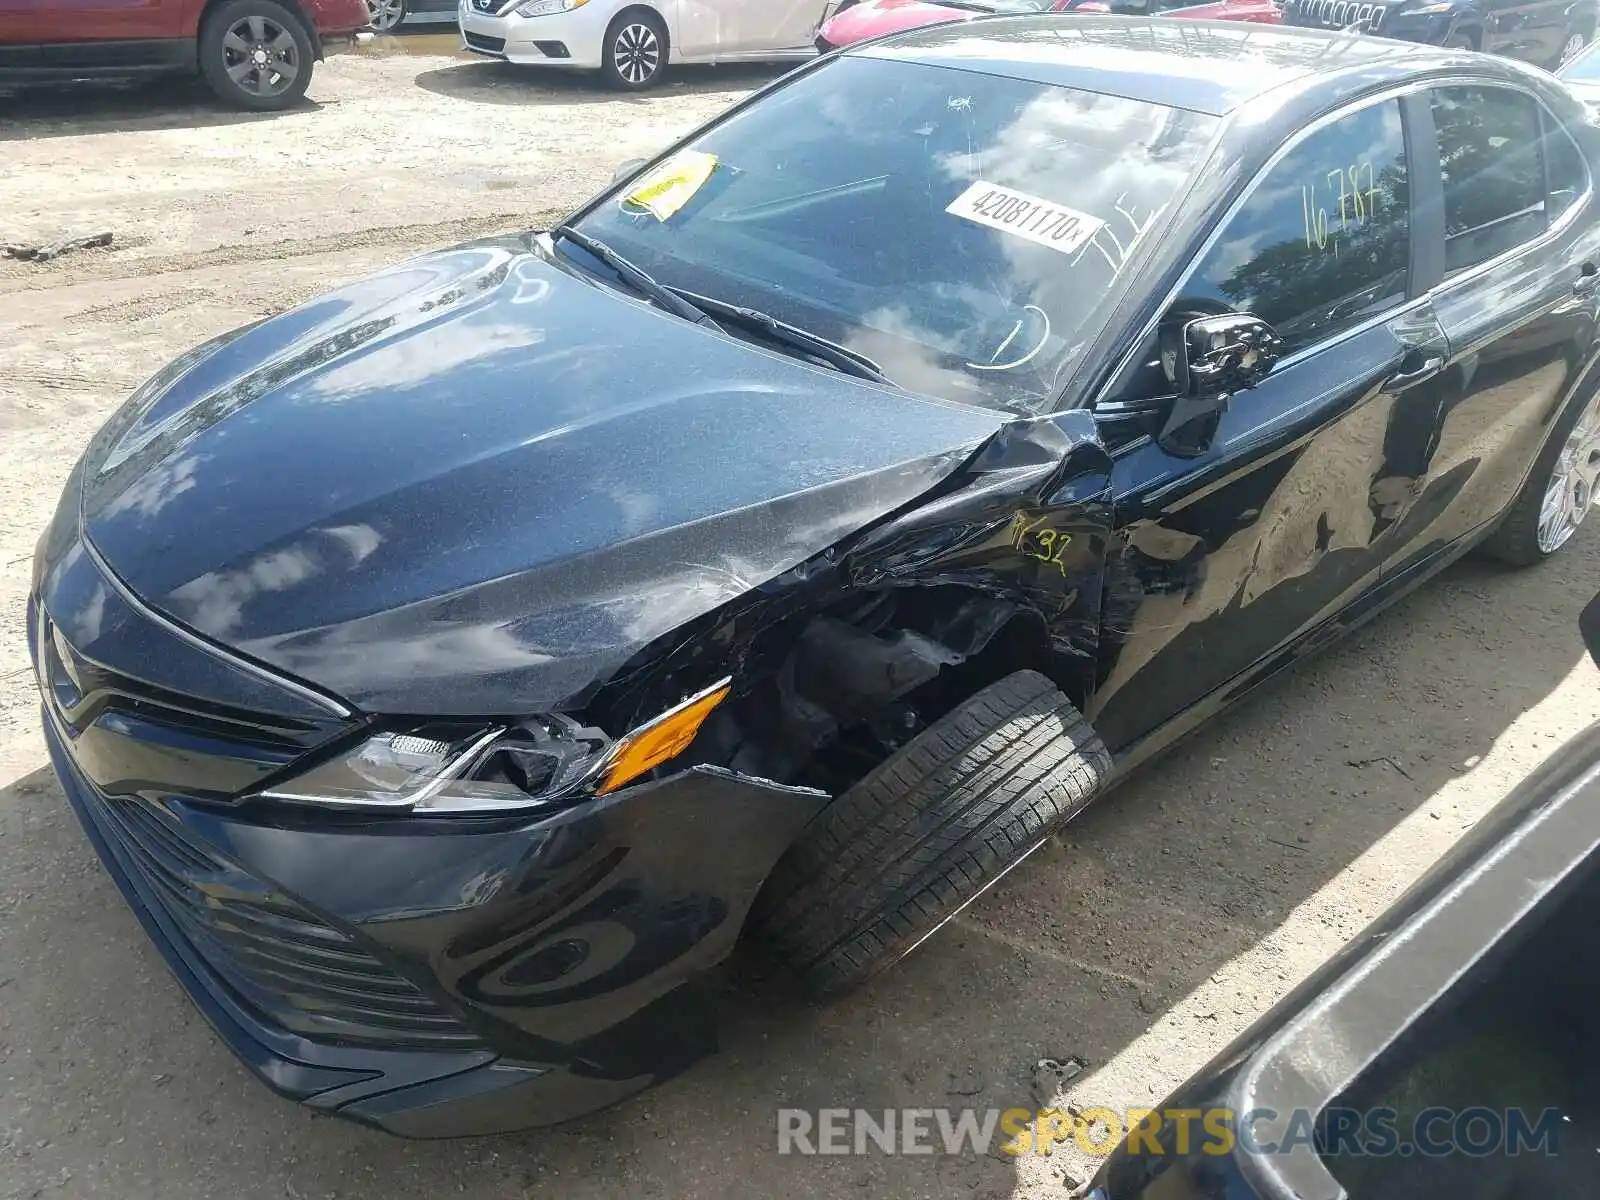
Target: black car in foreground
{"points": [[1450, 1050], [1546, 33], [451, 670]]}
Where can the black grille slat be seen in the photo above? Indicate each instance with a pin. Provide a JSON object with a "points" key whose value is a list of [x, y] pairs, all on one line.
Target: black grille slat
{"points": [[272, 952], [395, 994], [284, 927], [157, 835], [479, 41]]}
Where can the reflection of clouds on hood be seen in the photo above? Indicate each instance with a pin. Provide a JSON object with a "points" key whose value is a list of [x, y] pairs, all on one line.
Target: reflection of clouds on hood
{"points": [[214, 602], [408, 361], [93, 615], [156, 488], [359, 540], [344, 653]]}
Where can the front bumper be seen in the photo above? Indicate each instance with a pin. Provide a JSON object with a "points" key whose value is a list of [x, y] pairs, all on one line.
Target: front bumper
{"points": [[432, 978], [573, 39]]}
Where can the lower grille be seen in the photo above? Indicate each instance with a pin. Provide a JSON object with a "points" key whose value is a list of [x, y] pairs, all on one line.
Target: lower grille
{"points": [[292, 969], [479, 41]]}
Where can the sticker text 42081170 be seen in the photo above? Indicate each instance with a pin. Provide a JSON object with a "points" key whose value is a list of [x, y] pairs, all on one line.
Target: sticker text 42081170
{"points": [[1038, 220]]}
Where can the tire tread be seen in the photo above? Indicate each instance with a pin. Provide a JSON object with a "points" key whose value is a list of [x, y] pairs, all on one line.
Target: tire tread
{"points": [[927, 830]]}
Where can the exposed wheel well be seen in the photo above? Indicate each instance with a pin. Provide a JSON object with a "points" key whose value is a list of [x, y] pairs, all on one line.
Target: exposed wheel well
{"points": [[825, 692]]}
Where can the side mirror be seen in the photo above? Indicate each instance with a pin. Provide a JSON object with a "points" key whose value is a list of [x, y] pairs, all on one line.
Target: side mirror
{"points": [[1213, 357], [628, 169]]}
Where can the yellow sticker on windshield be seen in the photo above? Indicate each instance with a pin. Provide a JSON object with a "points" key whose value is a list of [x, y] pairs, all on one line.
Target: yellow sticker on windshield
{"points": [[671, 185]]}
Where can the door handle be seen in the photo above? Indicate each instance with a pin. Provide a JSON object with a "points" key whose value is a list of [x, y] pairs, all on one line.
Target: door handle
{"points": [[1588, 279], [1414, 368]]}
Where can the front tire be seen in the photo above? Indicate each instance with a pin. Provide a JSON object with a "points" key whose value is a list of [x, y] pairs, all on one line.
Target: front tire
{"points": [[928, 831], [256, 55], [635, 51], [1559, 491]]}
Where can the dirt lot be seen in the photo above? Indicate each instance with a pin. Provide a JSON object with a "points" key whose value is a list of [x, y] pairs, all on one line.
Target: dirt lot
{"points": [[1157, 927]]}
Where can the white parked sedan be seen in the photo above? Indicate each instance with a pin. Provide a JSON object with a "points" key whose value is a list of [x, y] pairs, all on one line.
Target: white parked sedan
{"points": [[631, 43]]}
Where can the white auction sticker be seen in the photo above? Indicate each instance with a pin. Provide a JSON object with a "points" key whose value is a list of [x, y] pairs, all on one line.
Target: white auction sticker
{"points": [[1054, 225]]}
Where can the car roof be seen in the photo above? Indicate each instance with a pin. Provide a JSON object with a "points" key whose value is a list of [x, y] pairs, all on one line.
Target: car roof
{"points": [[1207, 66]]}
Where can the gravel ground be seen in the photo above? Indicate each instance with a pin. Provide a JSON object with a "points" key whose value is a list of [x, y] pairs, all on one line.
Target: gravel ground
{"points": [[1159, 925]]}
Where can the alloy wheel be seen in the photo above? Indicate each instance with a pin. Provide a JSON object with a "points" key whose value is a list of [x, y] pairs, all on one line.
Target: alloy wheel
{"points": [[1574, 45], [260, 56], [1571, 489], [636, 52], [385, 14]]}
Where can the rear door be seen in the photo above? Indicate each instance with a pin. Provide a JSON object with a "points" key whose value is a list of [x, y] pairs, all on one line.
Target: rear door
{"points": [[1515, 28], [1514, 297], [1236, 557]]}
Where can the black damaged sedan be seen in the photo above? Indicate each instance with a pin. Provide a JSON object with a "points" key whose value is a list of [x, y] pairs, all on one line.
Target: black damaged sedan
{"points": [[452, 670]]}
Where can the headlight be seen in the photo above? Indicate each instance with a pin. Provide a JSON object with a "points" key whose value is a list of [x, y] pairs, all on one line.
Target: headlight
{"points": [[439, 767], [547, 8]]}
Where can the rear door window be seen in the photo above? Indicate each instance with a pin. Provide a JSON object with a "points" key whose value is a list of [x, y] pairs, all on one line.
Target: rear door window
{"points": [[1494, 181], [1566, 176]]}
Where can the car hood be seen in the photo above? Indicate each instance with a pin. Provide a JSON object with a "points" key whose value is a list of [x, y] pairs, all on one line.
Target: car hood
{"points": [[478, 483], [1262, 11], [876, 18], [1587, 91]]}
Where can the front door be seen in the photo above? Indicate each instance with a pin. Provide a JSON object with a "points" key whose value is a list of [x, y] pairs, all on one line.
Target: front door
{"points": [[84, 22], [1234, 557], [726, 28]]}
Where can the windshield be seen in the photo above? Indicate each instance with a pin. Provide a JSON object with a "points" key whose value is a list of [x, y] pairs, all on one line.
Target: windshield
{"points": [[961, 230], [1586, 66]]}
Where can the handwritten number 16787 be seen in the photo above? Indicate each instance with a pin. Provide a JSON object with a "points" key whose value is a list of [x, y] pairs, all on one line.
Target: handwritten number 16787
{"points": [[1356, 191]]}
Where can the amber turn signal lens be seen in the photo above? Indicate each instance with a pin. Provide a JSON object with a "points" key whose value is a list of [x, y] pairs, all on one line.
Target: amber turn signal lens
{"points": [[663, 738]]}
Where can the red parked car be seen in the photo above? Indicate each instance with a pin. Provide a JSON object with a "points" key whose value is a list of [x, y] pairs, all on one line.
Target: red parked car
{"points": [[857, 20], [255, 54]]}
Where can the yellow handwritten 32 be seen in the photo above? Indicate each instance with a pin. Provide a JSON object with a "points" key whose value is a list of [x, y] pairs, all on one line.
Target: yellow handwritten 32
{"points": [[1036, 540]]}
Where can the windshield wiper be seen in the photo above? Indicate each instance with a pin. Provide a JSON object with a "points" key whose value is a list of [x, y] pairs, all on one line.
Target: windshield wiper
{"points": [[698, 309], [844, 359], [640, 279]]}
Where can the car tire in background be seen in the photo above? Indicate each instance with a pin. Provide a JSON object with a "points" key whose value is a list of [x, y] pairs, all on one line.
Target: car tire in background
{"points": [[929, 830], [386, 15], [1558, 492], [256, 55], [635, 52]]}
